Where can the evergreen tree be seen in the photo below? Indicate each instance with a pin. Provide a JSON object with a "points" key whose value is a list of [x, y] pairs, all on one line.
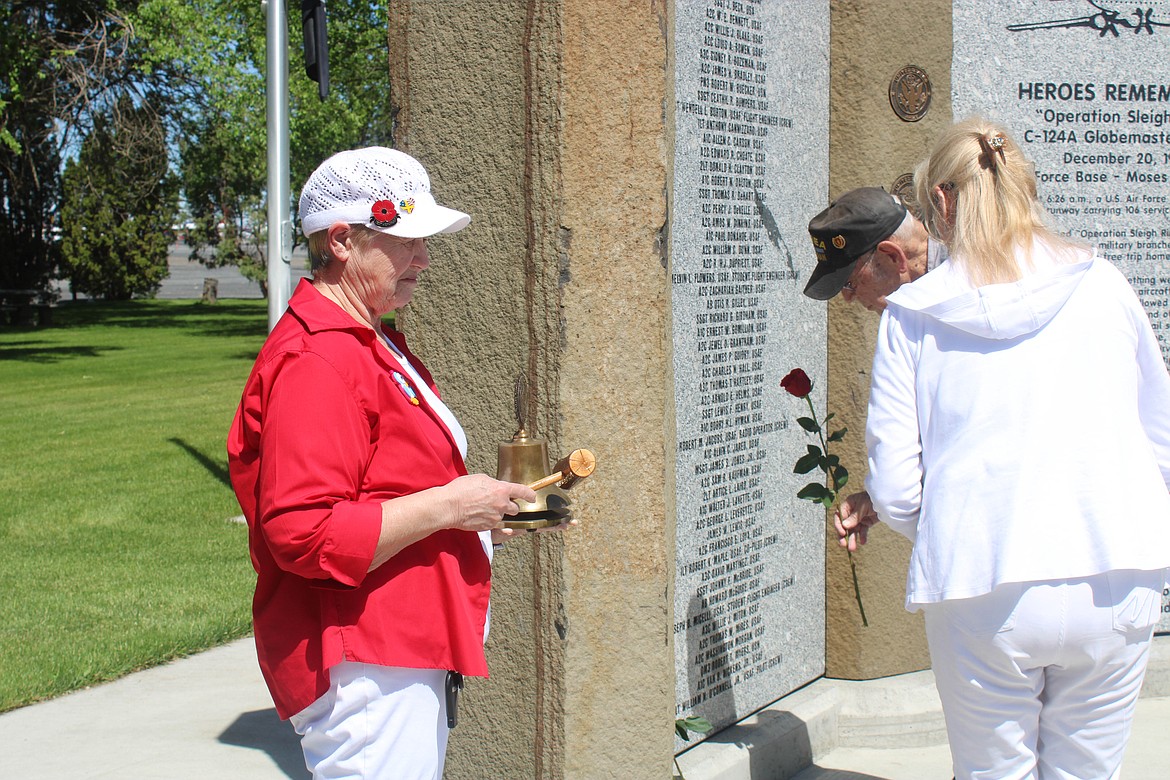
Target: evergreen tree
{"points": [[120, 200], [28, 202], [63, 62]]}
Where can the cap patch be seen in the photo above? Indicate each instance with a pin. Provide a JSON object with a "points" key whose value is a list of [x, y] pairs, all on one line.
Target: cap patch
{"points": [[818, 247]]}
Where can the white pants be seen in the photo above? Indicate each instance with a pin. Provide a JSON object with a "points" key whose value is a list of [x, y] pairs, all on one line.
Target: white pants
{"points": [[376, 723], [1039, 680]]}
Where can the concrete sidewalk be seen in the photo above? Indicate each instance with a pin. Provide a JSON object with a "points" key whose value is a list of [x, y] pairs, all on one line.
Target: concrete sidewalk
{"points": [[209, 717]]}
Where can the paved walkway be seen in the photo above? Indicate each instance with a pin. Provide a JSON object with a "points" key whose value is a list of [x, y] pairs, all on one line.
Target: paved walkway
{"points": [[186, 276], [207, 717], [1146, 757]]}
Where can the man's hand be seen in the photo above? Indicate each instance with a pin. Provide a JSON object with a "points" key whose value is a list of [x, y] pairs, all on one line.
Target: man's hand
{"points": [[853, 519]]}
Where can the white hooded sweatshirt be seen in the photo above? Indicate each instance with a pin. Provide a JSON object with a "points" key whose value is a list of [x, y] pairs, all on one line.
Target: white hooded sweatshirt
{"points": [[1020, 432]]}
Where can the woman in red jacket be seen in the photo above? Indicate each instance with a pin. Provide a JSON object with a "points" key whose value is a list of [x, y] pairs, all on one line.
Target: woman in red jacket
{"points": [[371, 542]]}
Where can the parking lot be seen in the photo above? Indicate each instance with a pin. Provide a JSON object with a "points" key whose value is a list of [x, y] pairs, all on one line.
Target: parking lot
{"points": [[186, 277]]}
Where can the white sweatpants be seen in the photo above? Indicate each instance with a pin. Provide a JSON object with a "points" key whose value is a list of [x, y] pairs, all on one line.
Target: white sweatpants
{"points": [[376, 722], [1039, 680]]}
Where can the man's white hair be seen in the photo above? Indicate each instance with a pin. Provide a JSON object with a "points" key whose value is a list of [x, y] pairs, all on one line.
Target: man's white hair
{"points": [[905, 232]]}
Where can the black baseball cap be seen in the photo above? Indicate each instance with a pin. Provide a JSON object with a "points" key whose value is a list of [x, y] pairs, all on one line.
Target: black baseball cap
{"points": [[852, 225]]}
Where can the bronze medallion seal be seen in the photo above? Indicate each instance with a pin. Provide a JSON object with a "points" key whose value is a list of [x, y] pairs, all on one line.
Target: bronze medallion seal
{"points": [[910, 93], [903, 190]]}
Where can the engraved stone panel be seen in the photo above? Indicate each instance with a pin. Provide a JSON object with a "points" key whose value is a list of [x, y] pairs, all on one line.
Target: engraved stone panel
{"points": [[750, 169], [1085, 89]]}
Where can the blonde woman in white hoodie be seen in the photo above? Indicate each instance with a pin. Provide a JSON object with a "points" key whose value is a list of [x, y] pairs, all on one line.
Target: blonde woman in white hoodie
{"points": [[1019, 435]]}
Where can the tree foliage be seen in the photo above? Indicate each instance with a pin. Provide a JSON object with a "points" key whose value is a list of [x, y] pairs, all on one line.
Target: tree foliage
{"points": [[58, 60], [120, 201], [199, 66], [220, 46]]}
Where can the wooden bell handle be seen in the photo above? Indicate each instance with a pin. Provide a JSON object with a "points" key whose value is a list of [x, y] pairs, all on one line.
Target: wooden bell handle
{"points": [[544, 482], [578, 464]]}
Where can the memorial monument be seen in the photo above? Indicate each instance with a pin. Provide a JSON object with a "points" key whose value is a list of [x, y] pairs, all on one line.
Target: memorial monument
{"points": [[640, 175]]}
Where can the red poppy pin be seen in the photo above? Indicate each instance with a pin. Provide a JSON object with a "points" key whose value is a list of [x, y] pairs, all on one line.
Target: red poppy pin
{"points": [[383, 214]]}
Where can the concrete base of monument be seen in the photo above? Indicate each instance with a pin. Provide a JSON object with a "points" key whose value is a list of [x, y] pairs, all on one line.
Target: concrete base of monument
{"points": [[791, 735], [886, 728], [778, 741]]}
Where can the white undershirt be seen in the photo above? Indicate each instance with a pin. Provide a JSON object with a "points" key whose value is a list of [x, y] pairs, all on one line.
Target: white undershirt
{"points": [[433, 400], [448, 419]]}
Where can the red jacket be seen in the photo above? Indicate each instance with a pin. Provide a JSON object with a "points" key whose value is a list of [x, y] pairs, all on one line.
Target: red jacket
{"points": [[325, 432]]}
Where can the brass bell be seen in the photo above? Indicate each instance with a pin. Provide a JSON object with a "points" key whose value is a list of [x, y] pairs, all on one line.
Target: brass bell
{"points": [[524, 459]]}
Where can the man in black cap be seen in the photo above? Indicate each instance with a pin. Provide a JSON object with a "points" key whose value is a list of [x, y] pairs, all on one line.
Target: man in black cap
{"points": [[867, 246]]}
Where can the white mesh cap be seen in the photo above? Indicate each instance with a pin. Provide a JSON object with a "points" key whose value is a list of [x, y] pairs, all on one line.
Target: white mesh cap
{"points": [[383, 189]]}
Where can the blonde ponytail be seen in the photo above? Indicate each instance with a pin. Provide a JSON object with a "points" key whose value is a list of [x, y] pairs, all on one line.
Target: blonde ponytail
{"points": [[994, 211]]}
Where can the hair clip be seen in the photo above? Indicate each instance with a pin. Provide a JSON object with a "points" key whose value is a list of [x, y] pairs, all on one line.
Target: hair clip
{"points": [[989, 147]]}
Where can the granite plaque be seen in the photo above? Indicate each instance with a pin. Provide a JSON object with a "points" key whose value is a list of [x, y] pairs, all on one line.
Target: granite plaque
{"points": [[750, 169], [1085, 88]]}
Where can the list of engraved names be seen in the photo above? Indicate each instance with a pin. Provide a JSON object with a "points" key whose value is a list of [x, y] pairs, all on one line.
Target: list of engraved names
{"points": [[726, 295]]}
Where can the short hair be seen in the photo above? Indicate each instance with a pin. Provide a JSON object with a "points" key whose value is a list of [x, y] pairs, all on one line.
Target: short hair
{"points": [[904, 235], [319, 254], [996, 210]]}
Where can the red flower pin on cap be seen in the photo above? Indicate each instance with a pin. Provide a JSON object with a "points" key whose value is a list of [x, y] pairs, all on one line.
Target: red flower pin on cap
{"points": [[383, 214]]}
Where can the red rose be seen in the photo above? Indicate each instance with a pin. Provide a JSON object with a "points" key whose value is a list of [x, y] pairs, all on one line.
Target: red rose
{"points": [[383, 214], [797, 383]]}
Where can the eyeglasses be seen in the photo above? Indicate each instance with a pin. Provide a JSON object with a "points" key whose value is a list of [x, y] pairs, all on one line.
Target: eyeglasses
{"points": [[850, 285]]}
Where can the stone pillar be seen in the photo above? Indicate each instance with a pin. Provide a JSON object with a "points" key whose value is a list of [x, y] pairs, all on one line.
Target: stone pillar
{"points": [[871, 146], [619, 676], [545, 122]]}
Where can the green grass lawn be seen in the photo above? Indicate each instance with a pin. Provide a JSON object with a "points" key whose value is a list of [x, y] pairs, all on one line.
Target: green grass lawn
{"points": [[115, 548]]}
